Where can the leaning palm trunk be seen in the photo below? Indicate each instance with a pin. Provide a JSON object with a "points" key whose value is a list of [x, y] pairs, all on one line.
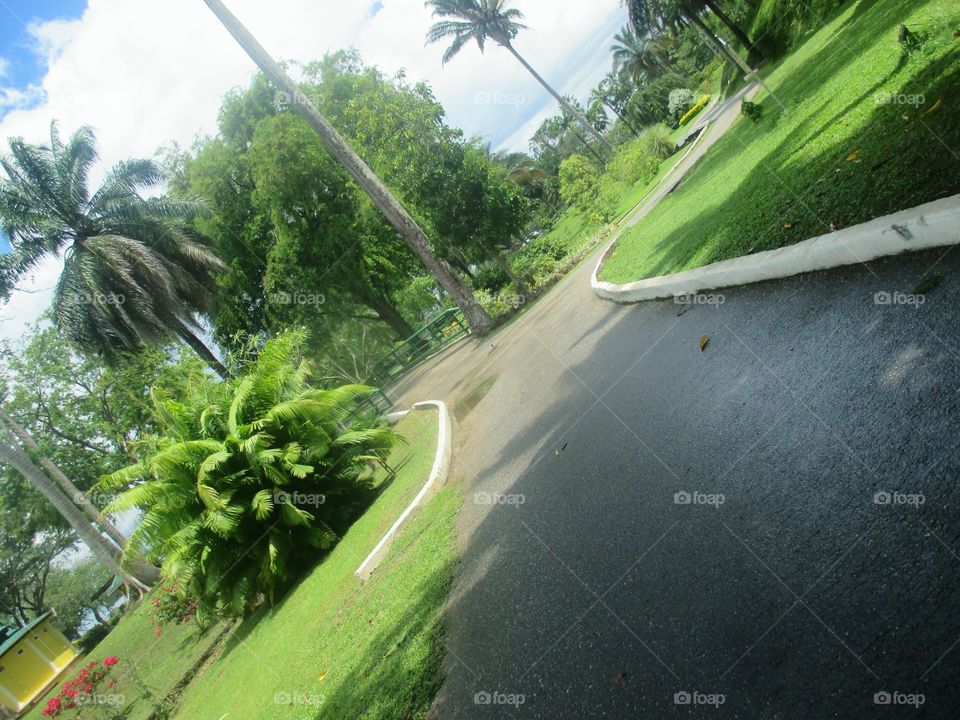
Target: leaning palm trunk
{"points": [[732, 26], [559, 98], [103, 550], [391, 208], [65, 483], [201, 349]]}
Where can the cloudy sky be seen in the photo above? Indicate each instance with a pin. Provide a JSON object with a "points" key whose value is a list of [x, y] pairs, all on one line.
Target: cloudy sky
{"points": [[144, 73]]}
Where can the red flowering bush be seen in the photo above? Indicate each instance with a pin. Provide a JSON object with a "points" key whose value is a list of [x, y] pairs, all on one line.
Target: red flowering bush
{"points": [[85, 688], [170, 606]]}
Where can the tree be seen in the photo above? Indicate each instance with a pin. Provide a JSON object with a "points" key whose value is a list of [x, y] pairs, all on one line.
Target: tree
{"points": [[480, 20], [14, 457], [133, 274], [414, 235], [641, 58], [252, 480], [72, 592], [605, 92]]}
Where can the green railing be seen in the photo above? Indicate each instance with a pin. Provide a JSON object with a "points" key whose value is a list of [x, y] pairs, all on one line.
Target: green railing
{"points": [[442, 330]]}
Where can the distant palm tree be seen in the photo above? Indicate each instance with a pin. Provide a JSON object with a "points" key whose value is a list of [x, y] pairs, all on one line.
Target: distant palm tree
{"points": [[133, 273], [482, 20], [641, 58], [603, 93]]}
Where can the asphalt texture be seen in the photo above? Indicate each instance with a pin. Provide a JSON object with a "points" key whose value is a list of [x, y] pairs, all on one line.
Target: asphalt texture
{"points": [[768, 527]]}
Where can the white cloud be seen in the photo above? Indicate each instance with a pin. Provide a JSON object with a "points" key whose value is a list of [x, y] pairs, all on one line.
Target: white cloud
{"points": [[145, 73]]}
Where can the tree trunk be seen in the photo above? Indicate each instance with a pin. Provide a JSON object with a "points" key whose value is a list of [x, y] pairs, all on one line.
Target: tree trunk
{"points": [[504, 264], [389, 314], [697, 22], [198, 346], [79, 498], [619, 114], [98, 617], [476, 316], [102, 549], [732, 27], [566, 106]]}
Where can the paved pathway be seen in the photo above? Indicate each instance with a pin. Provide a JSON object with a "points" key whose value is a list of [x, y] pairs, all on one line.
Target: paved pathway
{"points": [[591, 589]]}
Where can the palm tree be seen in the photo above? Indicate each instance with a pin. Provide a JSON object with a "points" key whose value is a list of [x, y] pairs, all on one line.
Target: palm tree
{"points": [[106, 552], [638, 57], [482, 20], [133, 273], [478, 319], [603, 93]]}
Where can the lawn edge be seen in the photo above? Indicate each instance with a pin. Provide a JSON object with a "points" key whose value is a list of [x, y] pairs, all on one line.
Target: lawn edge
{"points": [[932, 224], [438, 474]]}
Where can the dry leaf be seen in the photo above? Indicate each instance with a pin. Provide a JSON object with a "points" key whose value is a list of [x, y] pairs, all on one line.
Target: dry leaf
{"points": [[703, 342], [853, 156], [788, 225], [323, 676], [936, 106], [619, 678]]}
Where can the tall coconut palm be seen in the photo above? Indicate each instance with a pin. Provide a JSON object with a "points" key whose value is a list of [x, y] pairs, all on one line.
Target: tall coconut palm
{"points": [[482, 20], [13, 455], [133, 273], [640, 57], [478, 319]]}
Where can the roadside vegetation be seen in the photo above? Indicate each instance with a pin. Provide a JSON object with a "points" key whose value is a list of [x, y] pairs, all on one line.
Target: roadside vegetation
{"points": [[868, 131]]}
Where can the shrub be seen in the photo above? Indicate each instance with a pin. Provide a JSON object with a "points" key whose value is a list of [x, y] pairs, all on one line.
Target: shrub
{"points": [[580, 187], [754, 111], [254, 479], [679, 101], [695, 110]]}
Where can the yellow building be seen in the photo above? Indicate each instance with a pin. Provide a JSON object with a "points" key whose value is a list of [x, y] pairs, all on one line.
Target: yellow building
{"points": [[31, 659]]}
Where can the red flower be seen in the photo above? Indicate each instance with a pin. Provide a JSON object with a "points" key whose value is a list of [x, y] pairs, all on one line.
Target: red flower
{"points": [[112, 660], [53, 707]]}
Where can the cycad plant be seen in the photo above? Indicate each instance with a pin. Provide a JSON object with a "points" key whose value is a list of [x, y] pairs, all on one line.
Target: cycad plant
{"points": [[254, 480]]}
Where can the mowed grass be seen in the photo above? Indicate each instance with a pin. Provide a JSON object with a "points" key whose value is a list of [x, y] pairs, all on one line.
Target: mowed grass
{"points": [[149, 666], [841, 155], [336, 648]]}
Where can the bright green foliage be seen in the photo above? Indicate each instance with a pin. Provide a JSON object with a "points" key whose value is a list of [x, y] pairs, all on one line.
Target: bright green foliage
{"points": [[254, 479], [580, 187]]}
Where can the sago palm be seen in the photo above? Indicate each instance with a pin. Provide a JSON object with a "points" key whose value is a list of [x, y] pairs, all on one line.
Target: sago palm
{"points": [[133, 273], [254, 479], [464, 21]]}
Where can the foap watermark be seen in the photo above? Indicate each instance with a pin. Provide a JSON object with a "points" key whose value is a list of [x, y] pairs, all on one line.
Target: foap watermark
{"points": [[495, 697], [285, 99], [297, 298], [898, 298], [714, 299], [299, 499], [699, 698], [498, 98], [899, 698], [101, 699], [883, 497], [99, 298], [892, 98], [485, 498], [698, 498], [284, 697]]}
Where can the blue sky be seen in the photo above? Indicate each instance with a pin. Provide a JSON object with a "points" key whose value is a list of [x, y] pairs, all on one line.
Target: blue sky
{"points": [[23, 66]]}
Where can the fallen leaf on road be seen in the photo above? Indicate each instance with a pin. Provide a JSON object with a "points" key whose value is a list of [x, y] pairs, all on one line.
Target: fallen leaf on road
{"points": [[853, 156], [703, 342], [927, 285], [619, 678], [933, 108]]}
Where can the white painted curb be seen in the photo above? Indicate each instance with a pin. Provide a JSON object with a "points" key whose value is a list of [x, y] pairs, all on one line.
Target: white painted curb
{"points": [[441, 466], [931, 225]]}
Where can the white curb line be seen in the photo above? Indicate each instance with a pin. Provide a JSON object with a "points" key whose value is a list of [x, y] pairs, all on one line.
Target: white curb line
{"points": [[441, 466], [931, 225]]}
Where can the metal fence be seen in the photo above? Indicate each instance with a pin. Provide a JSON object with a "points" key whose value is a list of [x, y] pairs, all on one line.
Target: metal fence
{"points": [[439, 332]]}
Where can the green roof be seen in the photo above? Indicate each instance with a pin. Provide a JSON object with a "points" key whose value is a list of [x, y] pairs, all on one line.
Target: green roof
{"points": [[19, 634]]}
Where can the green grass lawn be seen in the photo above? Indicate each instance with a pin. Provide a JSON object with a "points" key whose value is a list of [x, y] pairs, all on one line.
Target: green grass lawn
{"points": [[335, 648], [148, 668], [841, 154]]}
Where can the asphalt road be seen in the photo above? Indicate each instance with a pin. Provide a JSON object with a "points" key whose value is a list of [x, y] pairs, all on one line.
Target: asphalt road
{"points": [[647, 523]]}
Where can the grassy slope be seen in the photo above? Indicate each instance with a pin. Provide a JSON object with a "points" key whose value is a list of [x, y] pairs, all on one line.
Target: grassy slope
{"points": [[158, 661], [769, 185], [376, 646]]}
